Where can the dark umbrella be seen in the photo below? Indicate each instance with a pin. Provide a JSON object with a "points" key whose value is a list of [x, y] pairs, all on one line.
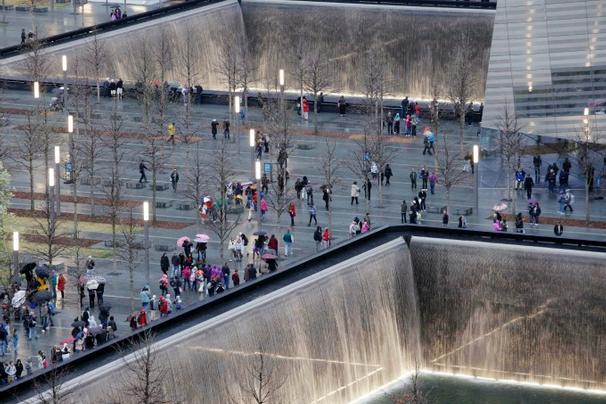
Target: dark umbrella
{"points": [[96, 331], [78, 323], [43, 296], [16, 280], [43, 271], [105, 308], [259, 233], [27, 268]]}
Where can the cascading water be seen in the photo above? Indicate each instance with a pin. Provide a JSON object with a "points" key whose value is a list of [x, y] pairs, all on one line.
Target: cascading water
{"points": [[419, 45], [328, 338], [512, 312]]}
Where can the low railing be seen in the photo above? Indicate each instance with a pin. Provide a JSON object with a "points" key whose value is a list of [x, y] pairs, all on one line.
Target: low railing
{"points": [[209, 308]]}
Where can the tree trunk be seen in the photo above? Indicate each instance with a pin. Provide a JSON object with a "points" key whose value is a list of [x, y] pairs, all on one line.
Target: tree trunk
{"points": [[461, 128], [75, 196], [31, 185], [98, 91], [315, 113], [154, 179], [92, 190], [587, 207]]}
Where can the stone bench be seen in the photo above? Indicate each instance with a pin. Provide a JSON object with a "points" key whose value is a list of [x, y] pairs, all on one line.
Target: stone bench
{"points": [[40, 10], [184, 206], [135, 185], [453, 211], [108, 243], [8, 7], [160, 187], [108, 183], [23, 8], [164, 247], [162, 204], [87, 181]]}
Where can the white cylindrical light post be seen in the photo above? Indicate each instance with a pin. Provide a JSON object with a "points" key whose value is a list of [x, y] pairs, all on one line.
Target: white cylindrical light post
{"points": [[281, 77], [146, 235], [237, 113], [36, 90], [50, 193], [72, 152], [476, 163], [58, 180], [15, 252], [258, 181], [251, 143], [64, 68]]}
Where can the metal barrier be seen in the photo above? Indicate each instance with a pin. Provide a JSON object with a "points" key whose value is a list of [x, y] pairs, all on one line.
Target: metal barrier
{"points": [[232, 298]]}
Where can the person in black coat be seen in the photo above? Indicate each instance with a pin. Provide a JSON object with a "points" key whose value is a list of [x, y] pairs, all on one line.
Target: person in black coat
{"points": [[388, 174], [164, 263]]}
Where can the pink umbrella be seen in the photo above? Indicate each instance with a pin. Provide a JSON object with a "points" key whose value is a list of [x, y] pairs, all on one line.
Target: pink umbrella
{"points": [[182, 240], [268, 256], [202, 238], [501, 206]]}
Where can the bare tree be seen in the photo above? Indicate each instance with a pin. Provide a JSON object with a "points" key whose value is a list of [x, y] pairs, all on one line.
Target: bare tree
{"points": [[219, 174], [89, 145], [587, 148], [228, 65], [359, 161], [194, 178], [129, 251], [188, 66], [26, 152], [462, 82], [316, 79], [510, 142], [51, 389], [50, 231], [450, 169], [95, 57], [330, 165], [263, 380], [36, 62], [112, 188], [277, 123], [413, 394], [145, 373]]}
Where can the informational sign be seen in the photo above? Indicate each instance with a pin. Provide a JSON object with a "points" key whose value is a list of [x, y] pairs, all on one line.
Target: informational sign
{"points": [[267, 168]]}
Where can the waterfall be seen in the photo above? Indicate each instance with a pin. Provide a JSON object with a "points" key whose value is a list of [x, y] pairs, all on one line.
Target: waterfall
{"points": [[512, 312], [328, 338]]}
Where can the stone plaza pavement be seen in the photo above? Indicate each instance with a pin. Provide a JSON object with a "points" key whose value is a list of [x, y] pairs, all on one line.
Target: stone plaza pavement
{"points": [[305, 158]]}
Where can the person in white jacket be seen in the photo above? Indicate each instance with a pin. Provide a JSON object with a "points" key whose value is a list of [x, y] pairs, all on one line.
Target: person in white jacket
{"points": [[355, 192]]}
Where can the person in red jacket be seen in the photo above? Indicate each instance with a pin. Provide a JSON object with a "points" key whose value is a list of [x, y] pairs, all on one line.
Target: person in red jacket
{"points": [[305, 108], [61, 285], [292, 211], [273, 244], [326, 237], [142, 318]]}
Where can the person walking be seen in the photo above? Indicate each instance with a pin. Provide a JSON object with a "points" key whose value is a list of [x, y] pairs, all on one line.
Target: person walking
{"points": [[326, 197], [355, 192], [424, 177], [288, 239], [172, 131], [226, 132], [558, 229], [312, 215], [388, 173], [326, 238], [413, 179], [305, 105], [568, 200], [433, 179], [403, 211], [528, 184], [318, 237], [214, 125], [367, 188], [61, 285], [142, 168], [445, 218], [292, 211], [164, 263], [174, 179]]}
